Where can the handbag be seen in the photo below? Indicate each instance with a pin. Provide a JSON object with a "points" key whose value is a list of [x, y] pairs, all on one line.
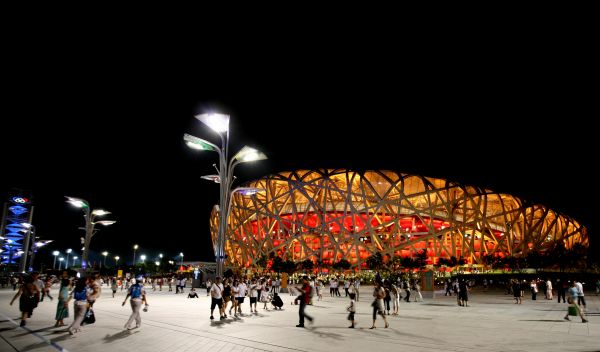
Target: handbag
{"points": [[573, 311], [89, 318]]}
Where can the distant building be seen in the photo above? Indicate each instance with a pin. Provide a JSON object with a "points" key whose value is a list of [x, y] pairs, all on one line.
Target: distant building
{"points": [[333, 214]]}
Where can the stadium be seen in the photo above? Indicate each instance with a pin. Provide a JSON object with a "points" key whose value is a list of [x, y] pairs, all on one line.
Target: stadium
{"points": [[326, 215]]}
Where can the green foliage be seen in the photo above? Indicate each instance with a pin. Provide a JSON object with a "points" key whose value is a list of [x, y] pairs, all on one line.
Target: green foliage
{"points": [[261, 262], [307, 264], [277, 265], [342, 264], [375, 261], [288, 266]]}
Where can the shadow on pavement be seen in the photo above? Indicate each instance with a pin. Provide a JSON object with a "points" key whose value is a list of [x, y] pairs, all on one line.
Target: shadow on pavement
{"points": [[120, 335], [545, 320]]}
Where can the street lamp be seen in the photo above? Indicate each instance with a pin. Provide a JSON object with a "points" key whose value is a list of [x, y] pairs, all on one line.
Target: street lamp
{"points": [[181, 261], [90, 215], [105, 253], [220, 124], [60, 260], [26, 241], [68, 252], [143, 258], [135, 247], [117, 261], [36, 246], [75, 260], [55, 253]]}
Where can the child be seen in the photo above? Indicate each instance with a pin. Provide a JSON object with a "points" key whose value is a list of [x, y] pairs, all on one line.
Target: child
{"points": [[113, 286], [352, 309], [193, 294], [574, 310], [277, 302]]}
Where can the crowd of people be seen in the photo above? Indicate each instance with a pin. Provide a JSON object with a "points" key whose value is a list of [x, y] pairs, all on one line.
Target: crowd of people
{"points": [[229, 295]]}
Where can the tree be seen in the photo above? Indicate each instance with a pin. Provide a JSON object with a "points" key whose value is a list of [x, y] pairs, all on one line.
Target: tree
{"points": [[375, 261], [288, 266], [261, 262], [421, 260], [307, 265], [277, 265], [342, 264]]}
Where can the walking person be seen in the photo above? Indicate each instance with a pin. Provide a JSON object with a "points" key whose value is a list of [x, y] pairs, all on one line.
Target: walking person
{"points": [[580, 294], [534, 290], [113, 286], [208, 286], [304, 299], [138, 295], [574, 310], [351, 310], [29, 294], [378, 294], [216, 294], [253, 295], [80, 305], [549, 289], [62, 308], [561, 289], [47, 287], [516, 288]]}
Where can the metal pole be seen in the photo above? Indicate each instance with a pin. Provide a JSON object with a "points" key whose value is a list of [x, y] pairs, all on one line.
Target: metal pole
{"points": [[224, 190], [54, 265], [23, 263], [89, 229], [33, 251], [134, 257]]}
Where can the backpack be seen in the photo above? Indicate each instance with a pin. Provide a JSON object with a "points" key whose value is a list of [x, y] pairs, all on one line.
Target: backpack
{"points": [[81, 295], [136, 291]]}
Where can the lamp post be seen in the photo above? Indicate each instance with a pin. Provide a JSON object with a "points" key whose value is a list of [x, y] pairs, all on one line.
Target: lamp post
{"points": [[55, 254], [181, 259], [68, 252], [220, 124], [36, 246], [60, 260], [75, 260], [105, 253], [26, 242], [90, 215], [117, 261], [143, 258], [135, 247]]}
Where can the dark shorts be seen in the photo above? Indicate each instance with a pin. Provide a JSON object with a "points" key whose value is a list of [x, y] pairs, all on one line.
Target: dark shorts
{"points": [[252, 300], [351, 316], [240, 299], [216, 302]]}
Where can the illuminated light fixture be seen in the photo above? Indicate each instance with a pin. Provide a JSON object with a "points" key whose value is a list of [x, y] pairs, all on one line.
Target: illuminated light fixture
{"points": [[100, 212], [214, 178], [199, 143], [217, 122], [106, 222], [249, 154], [76, 202]]}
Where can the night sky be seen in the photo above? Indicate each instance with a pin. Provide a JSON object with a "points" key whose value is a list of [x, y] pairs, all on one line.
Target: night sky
{"points": [[111, 132]]}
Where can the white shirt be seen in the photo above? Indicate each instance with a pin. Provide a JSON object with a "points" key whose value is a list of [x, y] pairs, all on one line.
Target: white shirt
{"points": [[242, 288], [216, 291], [579, 288]]}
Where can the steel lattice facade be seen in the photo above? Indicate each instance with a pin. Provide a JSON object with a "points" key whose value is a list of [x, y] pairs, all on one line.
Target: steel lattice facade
{"points": [[332, 214]]}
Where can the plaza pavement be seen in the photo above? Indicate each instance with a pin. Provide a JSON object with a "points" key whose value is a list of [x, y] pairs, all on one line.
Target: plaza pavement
{"points": [[174, 323]]}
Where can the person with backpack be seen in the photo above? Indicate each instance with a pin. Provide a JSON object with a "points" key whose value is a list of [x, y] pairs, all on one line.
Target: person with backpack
{"points": [[138, 295], [80, 295]]}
